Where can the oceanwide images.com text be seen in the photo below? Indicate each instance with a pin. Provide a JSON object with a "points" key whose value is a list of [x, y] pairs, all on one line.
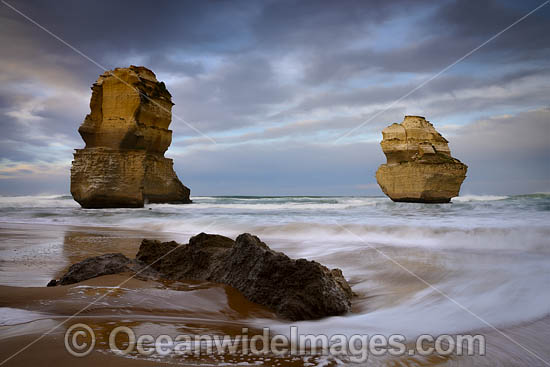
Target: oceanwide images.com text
{"points": [[80, 341]]}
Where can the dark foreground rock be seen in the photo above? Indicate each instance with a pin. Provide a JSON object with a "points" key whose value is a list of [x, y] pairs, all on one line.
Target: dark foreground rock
{"points": [[93, 267], [294, 289], [96, 266]]}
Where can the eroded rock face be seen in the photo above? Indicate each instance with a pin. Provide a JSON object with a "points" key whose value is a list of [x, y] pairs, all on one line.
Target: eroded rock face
{"points": [[126, 135], [294, 289], [419, 165], [93, 267]]}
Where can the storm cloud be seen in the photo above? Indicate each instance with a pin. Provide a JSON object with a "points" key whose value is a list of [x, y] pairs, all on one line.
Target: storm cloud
{"points": [[277, 83]]}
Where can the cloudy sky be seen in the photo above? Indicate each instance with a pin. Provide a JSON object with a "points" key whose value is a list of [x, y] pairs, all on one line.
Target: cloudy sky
{"points": [[294, 93]]}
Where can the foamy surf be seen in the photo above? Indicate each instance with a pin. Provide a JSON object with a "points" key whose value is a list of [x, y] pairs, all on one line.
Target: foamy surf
{"points": [[465, 198]]}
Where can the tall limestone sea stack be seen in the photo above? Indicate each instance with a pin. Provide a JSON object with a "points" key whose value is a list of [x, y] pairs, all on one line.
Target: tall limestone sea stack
{"points": [[419, 165], [126, 135]]}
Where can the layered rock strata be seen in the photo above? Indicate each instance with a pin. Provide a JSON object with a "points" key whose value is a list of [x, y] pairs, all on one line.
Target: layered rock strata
{"points": [[419, 165], [126, 136], [293, 289]]}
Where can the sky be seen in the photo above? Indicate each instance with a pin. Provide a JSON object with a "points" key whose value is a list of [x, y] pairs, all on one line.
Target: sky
{"points": [[284, 97]]}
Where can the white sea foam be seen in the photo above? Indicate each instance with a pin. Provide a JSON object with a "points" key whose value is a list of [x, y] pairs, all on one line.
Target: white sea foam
{"points": [[14, 316], [474, 295], [465, 198]]}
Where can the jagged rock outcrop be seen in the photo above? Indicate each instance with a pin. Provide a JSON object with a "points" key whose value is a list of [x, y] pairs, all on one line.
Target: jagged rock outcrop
{"points": [[93, 267], [419, 165], [294, 289], [126, 136]]}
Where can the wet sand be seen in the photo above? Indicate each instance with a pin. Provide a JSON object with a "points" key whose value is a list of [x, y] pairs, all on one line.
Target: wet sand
{"points": [[36, 318], [33, 254]]}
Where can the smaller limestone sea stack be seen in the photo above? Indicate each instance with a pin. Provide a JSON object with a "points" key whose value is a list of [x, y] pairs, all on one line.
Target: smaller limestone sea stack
{"points": [[419, 165], [126, 135]]}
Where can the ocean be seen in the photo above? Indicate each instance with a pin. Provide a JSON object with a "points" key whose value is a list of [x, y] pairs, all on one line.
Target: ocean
{"points": [[480, 263]]}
